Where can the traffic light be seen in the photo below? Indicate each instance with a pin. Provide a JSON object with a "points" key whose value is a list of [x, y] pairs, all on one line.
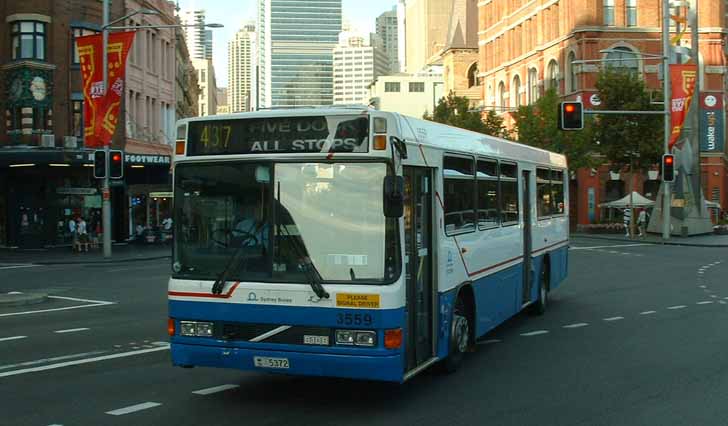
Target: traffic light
{"points": [[668, 168], [571, 115], [99, 164], [116, 164]]}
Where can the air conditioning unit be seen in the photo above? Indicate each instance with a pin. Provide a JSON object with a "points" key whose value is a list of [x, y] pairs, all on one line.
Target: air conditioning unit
{"points": [[70, 142], [48, 141]]}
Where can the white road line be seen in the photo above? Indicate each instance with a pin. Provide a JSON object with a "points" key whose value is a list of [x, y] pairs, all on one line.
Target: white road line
{"points": [[133, 408], [72, 330], [713, 296], [577, 325], [18, 266], [47, 360], [57, 309], [82, 361], [702, 286], [722, 302], [677, 307], [215, 389], [488, 342], [75, 299], [601, 247], [648, 312], [5, 339], [534, 333], [613, 319], [706, 302]]}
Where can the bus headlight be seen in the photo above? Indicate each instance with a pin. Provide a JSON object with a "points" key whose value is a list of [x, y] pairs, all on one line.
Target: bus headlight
{"points": [[196, 328], [356, 337]]}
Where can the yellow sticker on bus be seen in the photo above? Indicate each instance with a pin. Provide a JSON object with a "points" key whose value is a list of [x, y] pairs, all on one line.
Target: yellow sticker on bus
{"points": [[349, 300]]}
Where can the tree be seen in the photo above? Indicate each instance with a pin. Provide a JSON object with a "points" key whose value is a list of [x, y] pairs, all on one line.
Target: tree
{"points": [[455, 111], [536, 125]]}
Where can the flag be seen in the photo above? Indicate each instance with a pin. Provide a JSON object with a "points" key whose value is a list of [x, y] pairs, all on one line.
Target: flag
{"points": [[89, 55], [117, 52], [683, 79]]}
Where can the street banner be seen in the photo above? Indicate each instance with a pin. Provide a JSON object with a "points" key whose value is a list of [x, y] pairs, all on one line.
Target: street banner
{"points": [[712, 126], [117, 52], [89, 54], [683, 78]]}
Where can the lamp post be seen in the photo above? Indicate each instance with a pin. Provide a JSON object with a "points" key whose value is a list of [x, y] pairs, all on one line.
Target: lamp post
{"points": [[105, 28], [666, 196]]}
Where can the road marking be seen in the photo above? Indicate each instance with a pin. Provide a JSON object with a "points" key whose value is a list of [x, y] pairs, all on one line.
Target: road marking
{"points": [[706, 302], [82, 361], [75, 299], [702, 286], [47, 360], [18, 266], [93, 303], [488, 342], [677, 307], [648, 312], [72, 330], [613, 319], [577, 325], [155, 266], [133, 408], [713, 296], [722, 302], [215, 389], [613, 246], [534, 333], [5, 339]]}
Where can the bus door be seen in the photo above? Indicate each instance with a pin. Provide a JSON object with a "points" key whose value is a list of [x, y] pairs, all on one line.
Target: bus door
{"points": [[527, 237], [418, 265]]}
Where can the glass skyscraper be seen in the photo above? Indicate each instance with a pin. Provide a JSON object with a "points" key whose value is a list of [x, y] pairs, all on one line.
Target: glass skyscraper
{"points": [[297, 38]]}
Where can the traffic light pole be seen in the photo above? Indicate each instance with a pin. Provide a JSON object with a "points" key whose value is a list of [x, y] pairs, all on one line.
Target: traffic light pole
{"points": [[105, 193], [666, 189]]}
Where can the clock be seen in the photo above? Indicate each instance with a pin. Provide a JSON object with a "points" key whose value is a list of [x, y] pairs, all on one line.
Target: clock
{"points": [[16, 89], [38, 88]]}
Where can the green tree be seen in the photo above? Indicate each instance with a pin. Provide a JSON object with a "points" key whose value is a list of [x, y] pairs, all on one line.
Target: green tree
{"points": [[536, 125], [455, 111]]}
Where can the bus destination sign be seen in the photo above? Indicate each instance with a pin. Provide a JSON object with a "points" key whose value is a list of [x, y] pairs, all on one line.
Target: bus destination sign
{"points": [[278, 135]]}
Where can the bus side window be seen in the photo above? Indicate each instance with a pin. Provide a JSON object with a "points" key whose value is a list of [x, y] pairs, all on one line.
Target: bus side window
{"points": [[543, 191], [557, 192], [487, 176], [459, 182], [509, 193]]}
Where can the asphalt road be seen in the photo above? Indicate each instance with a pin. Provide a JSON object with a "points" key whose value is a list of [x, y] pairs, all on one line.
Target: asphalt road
{"points": [[636, 336]]}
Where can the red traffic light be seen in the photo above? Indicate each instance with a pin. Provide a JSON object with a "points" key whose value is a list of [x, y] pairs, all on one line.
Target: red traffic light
{"points": [[569, 108], [668, 160]]}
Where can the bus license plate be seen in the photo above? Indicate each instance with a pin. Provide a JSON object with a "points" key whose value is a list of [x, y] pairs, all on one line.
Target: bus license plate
{"points": [[268, 362]]}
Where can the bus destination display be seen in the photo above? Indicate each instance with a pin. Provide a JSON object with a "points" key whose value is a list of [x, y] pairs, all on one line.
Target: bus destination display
{"points": [[278, 135]]}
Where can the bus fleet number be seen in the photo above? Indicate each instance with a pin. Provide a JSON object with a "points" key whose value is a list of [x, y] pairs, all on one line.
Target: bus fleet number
{"points": [[354, 319]]}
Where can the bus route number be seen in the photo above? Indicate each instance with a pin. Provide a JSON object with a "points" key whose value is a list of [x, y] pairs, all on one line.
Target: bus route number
{"points": [[354, 319], [215, 136]]}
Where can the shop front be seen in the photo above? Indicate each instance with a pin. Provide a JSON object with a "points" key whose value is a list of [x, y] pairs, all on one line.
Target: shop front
{"points": [[148, 195]]}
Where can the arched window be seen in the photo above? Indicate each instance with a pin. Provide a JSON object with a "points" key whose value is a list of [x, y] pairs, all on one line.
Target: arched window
{"points": [[573, 86], [502, 96], [473, 75], [624, 58], [532, 85], [516, 91], [553, 75]]}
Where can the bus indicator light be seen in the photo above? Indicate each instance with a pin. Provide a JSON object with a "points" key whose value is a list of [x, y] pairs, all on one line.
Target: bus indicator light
{"points": [[380, 142], [170, 326], [393, 338]]}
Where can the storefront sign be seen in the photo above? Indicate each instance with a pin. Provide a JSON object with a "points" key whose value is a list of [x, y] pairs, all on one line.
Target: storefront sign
{"points": [[161, 194], [712, 133], [76, 191], [147, 159]]}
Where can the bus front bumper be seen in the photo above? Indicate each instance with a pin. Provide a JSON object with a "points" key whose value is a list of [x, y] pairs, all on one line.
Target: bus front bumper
{"points": [[385, 368]]}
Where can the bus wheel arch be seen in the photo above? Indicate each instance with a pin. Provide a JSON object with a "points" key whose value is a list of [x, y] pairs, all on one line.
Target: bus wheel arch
{"points": [[463, 320], [544, 286]]}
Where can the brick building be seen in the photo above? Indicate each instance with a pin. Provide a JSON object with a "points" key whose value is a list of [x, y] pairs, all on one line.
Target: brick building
{"points": [[526, 47]]}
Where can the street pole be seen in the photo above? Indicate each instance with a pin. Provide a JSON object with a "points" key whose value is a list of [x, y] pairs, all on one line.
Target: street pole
{"points": [[666, 197], [106, 194]]}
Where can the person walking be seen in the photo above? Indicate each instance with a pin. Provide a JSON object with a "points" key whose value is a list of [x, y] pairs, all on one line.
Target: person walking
{"points": [[642, 221], [72, 228], [627, 219], [82, 234]]}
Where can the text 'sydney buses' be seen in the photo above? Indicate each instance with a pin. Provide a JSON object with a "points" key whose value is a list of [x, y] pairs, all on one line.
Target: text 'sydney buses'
{"points": [[355, 243]]}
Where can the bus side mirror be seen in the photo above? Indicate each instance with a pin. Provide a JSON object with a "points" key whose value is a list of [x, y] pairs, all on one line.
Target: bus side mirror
{"points": [[393, 196]]}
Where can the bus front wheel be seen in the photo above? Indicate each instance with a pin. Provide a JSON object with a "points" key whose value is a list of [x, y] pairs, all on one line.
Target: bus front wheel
{"points": [[459, 336]]}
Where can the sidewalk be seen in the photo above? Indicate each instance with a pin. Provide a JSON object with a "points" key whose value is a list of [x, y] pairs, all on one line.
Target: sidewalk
{"points": [[710, 240], [64, 256]]}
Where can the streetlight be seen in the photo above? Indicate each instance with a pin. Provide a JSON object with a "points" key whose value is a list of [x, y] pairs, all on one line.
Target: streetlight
{"points": [[105, 28]]}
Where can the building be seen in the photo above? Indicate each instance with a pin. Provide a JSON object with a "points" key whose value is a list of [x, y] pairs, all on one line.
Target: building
{"points": [[409, 94], [222, 101], [46, 177], [296, 61], [387, 31], [207, 102], [356, 65], [241, 67], [525, 48], [187, 91], [459, 58], [425, 33], [199, 39]]}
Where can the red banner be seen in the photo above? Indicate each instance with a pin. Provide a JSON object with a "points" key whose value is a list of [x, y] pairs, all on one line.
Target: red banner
{"points": [[683, 79], [101, 111]]}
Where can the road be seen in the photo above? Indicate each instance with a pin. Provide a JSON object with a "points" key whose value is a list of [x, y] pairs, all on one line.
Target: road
{"points": [[635, 336]]}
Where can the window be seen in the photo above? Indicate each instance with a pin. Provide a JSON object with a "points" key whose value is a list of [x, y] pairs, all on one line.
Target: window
{"points": [[516, 91], [77, 114], [543, 192], [622, 57], [417, 86], [40, 118], [608, 12], [532, 85], [473, 76], [509, 193], [502, 96], [28, 40], [631, 13], [553, 75], [487, 176], [557, 192], [391, 86], [79, 32], [459, 194], [573, 86], [202, 75]]}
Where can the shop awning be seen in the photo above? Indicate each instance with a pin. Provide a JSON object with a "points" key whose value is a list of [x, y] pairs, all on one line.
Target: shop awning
{"points": [[638, 200]]}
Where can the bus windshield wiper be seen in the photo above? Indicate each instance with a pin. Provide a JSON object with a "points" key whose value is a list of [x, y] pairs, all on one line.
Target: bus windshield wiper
{"points": [[305, 264], [219, 283]]}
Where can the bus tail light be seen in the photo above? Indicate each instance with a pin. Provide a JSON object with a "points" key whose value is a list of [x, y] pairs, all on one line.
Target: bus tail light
{"points": [[170, 326], [380, 142], [393, 338], [179, 147]]}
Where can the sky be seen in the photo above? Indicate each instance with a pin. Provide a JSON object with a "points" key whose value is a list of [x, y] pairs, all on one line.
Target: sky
{"points": [[362, 14]]}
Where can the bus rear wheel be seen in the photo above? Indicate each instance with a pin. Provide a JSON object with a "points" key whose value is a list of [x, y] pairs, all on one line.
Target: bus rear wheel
{"points": [[539, 308], [459, 336]]}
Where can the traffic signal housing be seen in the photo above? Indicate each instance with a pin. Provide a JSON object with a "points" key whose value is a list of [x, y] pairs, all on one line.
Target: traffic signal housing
{"points": [[99, 164], [668, 168], [571, 115], [116, 164]]}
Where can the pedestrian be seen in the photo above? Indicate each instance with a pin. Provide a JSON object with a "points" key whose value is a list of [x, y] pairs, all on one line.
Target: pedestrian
{"points": [[627, 218], [642, 221], [82, 234], [72, 228]]}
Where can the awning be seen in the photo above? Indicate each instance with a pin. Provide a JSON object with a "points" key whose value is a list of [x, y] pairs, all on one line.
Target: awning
{"points": [[638, 200]]}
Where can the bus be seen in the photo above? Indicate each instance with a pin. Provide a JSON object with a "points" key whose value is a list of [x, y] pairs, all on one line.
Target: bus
{"points": [[357, 243]]}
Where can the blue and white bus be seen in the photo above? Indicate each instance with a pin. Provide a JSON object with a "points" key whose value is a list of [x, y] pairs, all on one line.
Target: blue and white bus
{"points": [[355, 243]]}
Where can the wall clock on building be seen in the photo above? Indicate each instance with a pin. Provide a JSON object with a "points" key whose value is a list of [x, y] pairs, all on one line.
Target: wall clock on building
{"points": [[38, 88]]}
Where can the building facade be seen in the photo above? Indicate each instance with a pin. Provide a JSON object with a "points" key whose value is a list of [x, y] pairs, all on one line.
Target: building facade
{"points": [[296, 61], [222, 101], [356, 65], [187, 91], [207, 102], [241, 66], [410, 94], [387, 31], [199, 39], [528, 47], [425, 32], [459, 58]]}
